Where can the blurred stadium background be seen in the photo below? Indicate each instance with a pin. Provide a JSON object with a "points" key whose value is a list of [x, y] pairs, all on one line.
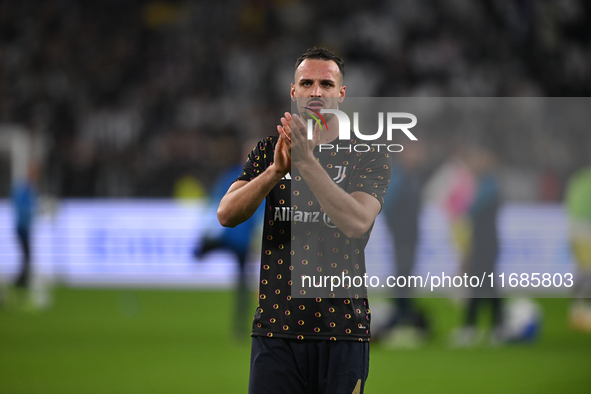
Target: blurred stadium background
{"points": [[131, 109]]}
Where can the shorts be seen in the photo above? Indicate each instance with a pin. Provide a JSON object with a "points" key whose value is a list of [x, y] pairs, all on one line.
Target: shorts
{"points": [[291, 366]]}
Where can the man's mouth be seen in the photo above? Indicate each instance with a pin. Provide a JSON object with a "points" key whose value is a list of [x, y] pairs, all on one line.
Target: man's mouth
{"points": [[315, 105]]}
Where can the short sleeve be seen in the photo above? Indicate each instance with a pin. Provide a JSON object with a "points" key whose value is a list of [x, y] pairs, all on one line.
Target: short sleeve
{"points": [[371, 174], [258, 159]]}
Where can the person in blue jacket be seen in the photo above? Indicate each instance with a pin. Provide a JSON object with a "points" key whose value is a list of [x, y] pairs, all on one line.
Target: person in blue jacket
{"points": [[24, 202], [236, 240]]}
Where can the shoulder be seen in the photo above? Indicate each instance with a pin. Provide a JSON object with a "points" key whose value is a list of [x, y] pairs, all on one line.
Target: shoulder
{"points": [[263, 149], [266, 142]]}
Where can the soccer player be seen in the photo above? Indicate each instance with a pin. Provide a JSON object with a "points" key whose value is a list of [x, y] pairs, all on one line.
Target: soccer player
{"points": [[236, 240], [578, 207], [408, 325], [24, 203], [484, 246], [319, 211]]}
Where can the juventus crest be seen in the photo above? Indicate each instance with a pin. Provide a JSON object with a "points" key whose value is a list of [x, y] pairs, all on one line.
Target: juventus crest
{"points": [[341, 174]]}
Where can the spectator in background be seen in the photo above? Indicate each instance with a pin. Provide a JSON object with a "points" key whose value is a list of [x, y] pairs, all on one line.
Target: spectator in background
{"points": [[122, 74]]}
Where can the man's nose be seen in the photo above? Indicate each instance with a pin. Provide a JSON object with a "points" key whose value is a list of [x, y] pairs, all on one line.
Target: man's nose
{"points": [[316, 91]]}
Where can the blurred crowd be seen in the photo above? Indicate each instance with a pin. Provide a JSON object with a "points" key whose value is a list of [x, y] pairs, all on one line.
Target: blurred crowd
{"points": [[131, 96]]}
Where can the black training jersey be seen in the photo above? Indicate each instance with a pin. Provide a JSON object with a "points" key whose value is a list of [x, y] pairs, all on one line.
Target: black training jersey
{"points": [[298, 234]]}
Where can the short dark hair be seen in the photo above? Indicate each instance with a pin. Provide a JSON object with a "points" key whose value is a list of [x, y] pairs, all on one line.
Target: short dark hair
{"points": [[322, 54]]}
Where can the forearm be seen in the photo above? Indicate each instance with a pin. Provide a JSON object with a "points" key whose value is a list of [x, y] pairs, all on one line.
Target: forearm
{"points": [[240, 203], [345, 211]]}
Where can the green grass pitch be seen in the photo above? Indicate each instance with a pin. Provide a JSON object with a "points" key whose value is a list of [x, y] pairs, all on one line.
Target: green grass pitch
{"points": [[179, 341]]}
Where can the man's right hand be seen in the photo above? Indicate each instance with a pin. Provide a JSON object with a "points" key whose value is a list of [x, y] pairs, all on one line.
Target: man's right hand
{"points": [[282, 157], [244, 197]]}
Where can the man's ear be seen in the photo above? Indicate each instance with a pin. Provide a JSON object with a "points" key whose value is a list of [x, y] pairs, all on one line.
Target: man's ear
{"points": [[292, 93], [342, 93]]}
